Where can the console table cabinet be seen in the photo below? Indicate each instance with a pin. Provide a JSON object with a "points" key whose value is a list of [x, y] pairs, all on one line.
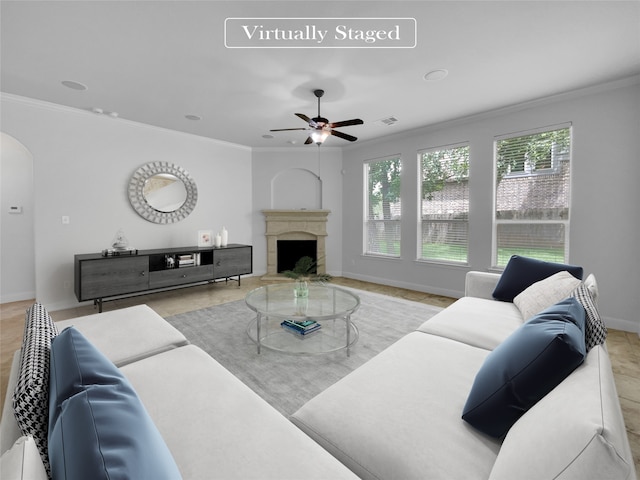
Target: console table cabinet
{"points": [[98, 277]]}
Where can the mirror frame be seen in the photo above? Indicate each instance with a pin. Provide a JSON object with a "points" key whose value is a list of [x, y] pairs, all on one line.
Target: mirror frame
{"points": [[146, 211]]}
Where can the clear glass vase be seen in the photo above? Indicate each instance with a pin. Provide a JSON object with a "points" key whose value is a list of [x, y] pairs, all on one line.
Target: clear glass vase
{"points": [[301, 289]]}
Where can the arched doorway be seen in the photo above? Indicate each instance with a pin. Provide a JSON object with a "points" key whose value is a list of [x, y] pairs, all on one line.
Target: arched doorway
{"points": [[17, 221]]}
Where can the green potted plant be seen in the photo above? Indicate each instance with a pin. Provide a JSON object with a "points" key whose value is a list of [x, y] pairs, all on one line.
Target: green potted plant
{"points": [[303, 272]]}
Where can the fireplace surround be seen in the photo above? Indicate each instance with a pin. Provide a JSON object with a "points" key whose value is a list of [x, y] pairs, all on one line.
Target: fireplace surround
{"points": [[295, 225]]}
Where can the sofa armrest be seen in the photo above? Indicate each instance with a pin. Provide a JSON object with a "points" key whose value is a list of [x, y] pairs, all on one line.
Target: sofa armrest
{"points": [[480, 284], [9, 429]]}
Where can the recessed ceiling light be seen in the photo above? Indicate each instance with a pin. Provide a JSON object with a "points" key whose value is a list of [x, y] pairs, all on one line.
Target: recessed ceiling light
{"points": [[193, 117], [74, 85], [435, 75]]}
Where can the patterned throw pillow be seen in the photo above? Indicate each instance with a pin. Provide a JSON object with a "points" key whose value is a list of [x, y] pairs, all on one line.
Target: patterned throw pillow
{"points": [[595, 332], [31, 395]]}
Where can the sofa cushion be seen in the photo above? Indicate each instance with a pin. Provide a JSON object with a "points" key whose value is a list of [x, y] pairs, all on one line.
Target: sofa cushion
{"points": [[545, 293], [475, 321], [31, 395], [521, 272], [577, 431], [127, 334], [22, 461], [405, 420], [99, 427], [525, 367], [595, 330], [218, 428]]}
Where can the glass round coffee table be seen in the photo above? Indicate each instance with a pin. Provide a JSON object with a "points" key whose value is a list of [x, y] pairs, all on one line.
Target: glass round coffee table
{"points": [[311, 325]]}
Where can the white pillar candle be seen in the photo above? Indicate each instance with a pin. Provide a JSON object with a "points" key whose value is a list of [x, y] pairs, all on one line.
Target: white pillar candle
{"points": [[225, 237]]}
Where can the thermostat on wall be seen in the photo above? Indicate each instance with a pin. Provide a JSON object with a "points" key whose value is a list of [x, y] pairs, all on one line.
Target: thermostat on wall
{"points": [[15, 209]]}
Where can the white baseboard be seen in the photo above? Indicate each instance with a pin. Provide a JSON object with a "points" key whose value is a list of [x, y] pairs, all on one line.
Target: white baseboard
{"points": [[17, 297], [408, 285], [621, 324]]}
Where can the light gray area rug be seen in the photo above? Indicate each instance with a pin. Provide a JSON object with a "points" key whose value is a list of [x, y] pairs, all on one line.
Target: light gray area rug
{"points": [[288, 381]]}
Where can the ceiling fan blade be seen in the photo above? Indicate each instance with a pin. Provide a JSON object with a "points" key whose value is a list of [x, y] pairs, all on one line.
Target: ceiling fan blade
{"points": [[303, 117], [287, 129], [346, 123], [351, 138], [308, 141], [312, 123]]}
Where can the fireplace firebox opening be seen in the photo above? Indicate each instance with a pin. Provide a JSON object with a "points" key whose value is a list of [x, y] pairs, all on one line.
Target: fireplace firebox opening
{"points": [[290, 251]]}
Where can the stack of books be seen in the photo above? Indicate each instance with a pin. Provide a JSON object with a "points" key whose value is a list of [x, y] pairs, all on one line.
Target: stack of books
{"points": [[188, 260], [301, 327]]}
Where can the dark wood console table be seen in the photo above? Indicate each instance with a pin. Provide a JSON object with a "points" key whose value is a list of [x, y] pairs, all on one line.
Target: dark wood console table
{"points": [[97, 277]]}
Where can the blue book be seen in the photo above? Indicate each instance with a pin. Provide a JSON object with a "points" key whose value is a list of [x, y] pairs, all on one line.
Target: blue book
{"points": [[293, 329]]}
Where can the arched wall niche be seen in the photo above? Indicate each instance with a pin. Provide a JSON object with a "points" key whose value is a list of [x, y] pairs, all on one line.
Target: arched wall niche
{"points": [[296, 188]]}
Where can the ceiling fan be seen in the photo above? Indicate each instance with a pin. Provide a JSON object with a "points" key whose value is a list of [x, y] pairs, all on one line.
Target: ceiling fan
{"points": [[321, 128]]}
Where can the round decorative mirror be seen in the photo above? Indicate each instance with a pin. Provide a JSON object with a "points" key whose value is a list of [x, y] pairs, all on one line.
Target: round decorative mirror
{"points": [[162, 192]]}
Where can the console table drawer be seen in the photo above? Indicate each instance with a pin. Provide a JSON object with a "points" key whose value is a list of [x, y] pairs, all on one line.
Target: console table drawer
{"points": [[179, 276]]}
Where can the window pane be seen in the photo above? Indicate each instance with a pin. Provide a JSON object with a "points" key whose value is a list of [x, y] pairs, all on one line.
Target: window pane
{"points": [[383, 237], [445, 240], [533, 195], [445, 204], [544, 241], [383, 207]]}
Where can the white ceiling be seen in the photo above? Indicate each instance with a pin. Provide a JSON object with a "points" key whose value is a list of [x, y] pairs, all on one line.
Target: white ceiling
{"points": [[156, 61]]}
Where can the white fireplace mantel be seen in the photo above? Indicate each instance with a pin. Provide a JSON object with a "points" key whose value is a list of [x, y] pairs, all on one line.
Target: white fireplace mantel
{"points": [[295, 225]]}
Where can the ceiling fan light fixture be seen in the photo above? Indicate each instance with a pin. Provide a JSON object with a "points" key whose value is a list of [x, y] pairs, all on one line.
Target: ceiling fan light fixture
{"points": [[319, 136], [320, 128]]}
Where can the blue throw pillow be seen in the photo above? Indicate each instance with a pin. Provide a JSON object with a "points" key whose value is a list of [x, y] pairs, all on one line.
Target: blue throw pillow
{"points": [[522, 272], [99, 428], [75, 364], [525, 367]]}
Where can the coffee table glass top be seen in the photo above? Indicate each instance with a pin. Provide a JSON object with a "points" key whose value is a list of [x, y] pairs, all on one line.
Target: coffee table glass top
{"points": [[329, 306]]}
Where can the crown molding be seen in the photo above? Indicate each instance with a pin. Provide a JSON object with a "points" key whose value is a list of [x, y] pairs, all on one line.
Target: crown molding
{"points": [[498, 112], [55, 107]]}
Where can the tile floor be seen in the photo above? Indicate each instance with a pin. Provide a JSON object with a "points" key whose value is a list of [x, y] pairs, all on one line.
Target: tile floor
{"points": [[624, 347]]}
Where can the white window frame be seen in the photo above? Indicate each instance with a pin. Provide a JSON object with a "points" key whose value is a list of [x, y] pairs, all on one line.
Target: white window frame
{"points": [[420, 221], [555, 167], [367, 220]]}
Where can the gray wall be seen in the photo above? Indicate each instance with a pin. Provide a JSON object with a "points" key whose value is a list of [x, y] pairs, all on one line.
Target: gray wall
{"points": [[272, 168], [605, 225], [82, 163]]}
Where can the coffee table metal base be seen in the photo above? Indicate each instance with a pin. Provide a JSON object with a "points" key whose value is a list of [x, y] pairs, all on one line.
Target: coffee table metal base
{"points": [[334, 335]]}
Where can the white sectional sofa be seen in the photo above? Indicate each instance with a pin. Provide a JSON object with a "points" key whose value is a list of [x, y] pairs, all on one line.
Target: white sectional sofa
{"points": [[399, 415], [214, 426]]}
